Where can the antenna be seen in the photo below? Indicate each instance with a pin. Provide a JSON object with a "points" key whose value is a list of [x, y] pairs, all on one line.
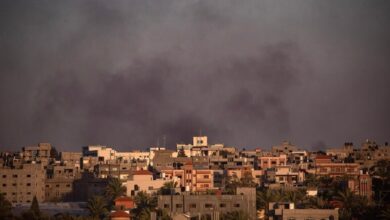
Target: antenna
{"points": [[164, 140], [158, 141]]}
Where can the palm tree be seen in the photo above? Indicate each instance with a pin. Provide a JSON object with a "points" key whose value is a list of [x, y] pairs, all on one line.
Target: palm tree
{"points": [[317, 203], [145, 204], [263, 198], [168, 188], [231, 184], [97, 207], [347, 199], [114, 189], [247, 180], [235, 215], [311, 180]]}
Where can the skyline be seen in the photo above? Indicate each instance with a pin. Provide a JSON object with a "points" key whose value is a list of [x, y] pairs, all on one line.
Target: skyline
{"points": [[246, 74], [161, 143]]}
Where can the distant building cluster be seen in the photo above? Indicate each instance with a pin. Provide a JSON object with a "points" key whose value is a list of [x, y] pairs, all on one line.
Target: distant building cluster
{"points": [[199, 171]]}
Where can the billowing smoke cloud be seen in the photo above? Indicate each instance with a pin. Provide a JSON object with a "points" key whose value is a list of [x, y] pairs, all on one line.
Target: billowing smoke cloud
{"points": [[252, 74]]}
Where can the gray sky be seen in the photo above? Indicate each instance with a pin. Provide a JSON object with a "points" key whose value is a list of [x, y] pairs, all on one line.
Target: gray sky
{"points": [[246, 73]]}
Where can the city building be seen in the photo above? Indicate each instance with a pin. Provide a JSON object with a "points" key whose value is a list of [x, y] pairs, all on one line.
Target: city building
{"points": [[20, 185], [39, 154], [210, 206], [142, 180]]}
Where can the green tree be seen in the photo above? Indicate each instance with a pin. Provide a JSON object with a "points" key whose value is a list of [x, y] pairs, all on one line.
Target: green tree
{"points": [[5, 208], [34, 213], [163, 214], [168, 188], [311, 180], [295, 196], [347, 199], [97, 207], [263, 198], [247, 180], [114, 189], [235, 215], [35, 206], [145, 204], [316, 202], [231, 184]]}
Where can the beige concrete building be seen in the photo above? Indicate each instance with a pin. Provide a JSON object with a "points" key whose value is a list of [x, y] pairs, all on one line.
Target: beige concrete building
{"points": [[142, 180], [287, 211], [39, 153], [210, 206], [21, 185], [272, 161], [191, 179], [59, 182], [71, 158], [284, 148]]}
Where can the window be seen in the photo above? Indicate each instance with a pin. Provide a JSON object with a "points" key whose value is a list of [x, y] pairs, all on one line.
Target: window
{"points": [[28, 175], [28, 193], [14, 193], [222, 205], [193, 206], [13, 184], [150, 188], [15, 176], [28, 184], [166, 206], [4, 184], [208, 205], [4, 176], [206, 176], [58, 185], [67, 185], [179, 205], [47, 186], [237, 205]]}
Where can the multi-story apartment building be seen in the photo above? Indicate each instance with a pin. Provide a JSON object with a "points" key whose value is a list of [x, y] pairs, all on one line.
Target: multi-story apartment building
{"points": [[362, 185], [287, 211], [231, 161], [20, 185], [266, 162], [284, 175], [164, 159], [210, 206], [325, 166], [104, 153], [142, 180], [341, 153], [71, 159], [39, 153], [190, 178], [284, 148], [59, 182]]}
